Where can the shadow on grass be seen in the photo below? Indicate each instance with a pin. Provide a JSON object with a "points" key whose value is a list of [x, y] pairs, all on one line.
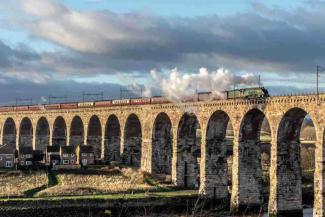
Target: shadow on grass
{"points": [[52, 181]]}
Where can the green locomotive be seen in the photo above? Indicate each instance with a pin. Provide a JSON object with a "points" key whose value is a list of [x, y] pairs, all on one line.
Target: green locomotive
{"points": [[248, 93]]}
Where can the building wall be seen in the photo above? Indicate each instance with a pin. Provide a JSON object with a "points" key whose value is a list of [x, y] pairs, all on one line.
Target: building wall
{"points": [[89, 157], [7, 157], [23, 158], [69, 158]]}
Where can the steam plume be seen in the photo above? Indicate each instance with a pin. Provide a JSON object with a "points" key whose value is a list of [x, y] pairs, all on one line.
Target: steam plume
{"points": [[178, 85]]}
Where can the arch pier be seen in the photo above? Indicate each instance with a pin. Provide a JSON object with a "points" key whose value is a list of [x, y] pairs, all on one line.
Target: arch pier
{"points": [[162, 145], [247, 182], [132, 142], [112, 143], [215, 182], [188, 151], [42, 137], [77, 132]]}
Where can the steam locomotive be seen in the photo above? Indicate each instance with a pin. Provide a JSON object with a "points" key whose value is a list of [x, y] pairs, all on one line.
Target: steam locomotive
{"points": [[248, 93]]}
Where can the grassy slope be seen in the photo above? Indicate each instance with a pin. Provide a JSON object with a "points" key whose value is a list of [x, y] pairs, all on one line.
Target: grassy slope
{"points": [[52, 181], [95, 182], [99, 182]]}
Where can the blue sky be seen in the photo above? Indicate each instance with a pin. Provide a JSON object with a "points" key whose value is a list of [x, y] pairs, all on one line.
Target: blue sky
{"points": [[109, 43]]}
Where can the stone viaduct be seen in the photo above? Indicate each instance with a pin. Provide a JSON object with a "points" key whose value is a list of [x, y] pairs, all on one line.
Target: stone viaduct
{"points": [[187, 141]]}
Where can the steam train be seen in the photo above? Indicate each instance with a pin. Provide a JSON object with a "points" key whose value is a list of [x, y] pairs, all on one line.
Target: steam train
{"points": [[247, 93]]}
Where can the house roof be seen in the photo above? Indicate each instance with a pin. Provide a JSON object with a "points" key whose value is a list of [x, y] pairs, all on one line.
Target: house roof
{"points": [[68, 149], [53, 148], [26, 150], [86, 149]]}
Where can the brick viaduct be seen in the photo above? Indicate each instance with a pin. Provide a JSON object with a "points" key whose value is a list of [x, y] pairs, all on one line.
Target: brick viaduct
{"points": [[163, 138]]}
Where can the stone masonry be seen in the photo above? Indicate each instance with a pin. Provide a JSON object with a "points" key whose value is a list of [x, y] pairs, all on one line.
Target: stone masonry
{"points": [[196, 132]]}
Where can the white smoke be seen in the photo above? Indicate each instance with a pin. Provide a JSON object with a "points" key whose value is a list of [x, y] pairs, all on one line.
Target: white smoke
{"points": [[43, 99], [140, 90], [178, 85]]}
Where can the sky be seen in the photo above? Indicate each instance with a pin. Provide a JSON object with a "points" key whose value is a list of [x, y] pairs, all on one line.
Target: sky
{"points": [[67, 47]]}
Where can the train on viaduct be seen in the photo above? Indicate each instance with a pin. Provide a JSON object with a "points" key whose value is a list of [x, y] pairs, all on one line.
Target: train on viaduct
{"points": [[187, 140]]}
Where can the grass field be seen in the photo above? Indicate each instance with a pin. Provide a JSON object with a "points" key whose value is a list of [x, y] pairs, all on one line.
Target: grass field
{"points": [[96, 181], [21, 184]]}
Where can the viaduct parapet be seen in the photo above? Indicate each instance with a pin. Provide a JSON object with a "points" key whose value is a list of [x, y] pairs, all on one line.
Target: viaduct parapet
{"points": [[188, 141]]}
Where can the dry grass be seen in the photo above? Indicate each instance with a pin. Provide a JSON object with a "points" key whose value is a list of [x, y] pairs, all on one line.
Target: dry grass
{"points": [[111, 181], [14, 184]]}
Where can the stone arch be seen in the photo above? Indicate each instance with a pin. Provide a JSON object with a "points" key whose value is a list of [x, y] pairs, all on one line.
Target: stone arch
{"points": [[132, 141], [217, 145], [247, 191], [162, 142], [188, 151], [26, 133], [76, 131], [94, 135], [288, 165], [9, 133], [59, 136], [42, 134], [112, 139]]}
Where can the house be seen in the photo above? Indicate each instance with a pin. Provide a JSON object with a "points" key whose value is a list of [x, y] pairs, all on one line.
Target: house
{"points": [[7, 156], [26, 155], [53, 155], [68, 155], [86, 155]]}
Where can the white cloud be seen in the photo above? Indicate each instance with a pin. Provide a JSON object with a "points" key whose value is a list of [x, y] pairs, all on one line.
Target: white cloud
{"points": [[42, 8], [267, 40], [102, 42], [84, 31]]}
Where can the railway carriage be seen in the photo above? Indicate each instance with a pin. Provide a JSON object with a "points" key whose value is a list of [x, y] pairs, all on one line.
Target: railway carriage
{"points": [[103, 103], [69, 105], [36, 107], [7, 109], [52, 106], [159, 100], [21, 108], [85, 104], [117, 102], [139, 101]]}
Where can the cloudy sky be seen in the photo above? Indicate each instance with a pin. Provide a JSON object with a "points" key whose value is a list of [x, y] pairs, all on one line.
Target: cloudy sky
{"points": [[65, 47]]}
